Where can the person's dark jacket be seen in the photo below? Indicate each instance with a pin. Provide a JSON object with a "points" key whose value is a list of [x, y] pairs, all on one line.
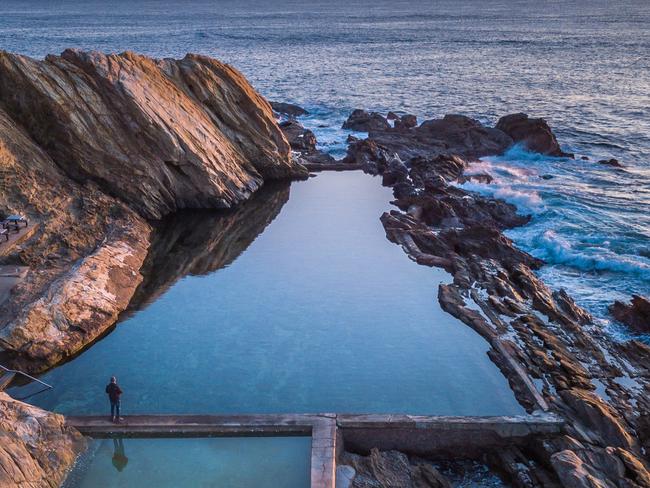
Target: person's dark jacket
{"points": [[114, 392]]}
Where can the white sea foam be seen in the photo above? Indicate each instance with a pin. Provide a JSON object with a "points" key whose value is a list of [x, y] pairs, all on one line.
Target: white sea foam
{"points": [[558, 250]]}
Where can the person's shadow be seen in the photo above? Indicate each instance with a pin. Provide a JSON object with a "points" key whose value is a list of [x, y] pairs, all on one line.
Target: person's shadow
{"points": [[119, 457]]}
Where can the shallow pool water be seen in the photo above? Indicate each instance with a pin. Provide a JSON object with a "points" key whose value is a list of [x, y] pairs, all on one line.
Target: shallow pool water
{"points": [[289, 304], [244, 462]]}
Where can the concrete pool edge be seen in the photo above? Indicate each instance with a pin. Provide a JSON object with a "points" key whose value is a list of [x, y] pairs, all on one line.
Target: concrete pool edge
{"points": [[329, 432]]}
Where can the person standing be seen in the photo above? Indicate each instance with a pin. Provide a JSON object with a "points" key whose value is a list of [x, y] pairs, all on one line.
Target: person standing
{"points": [[114, 393]]}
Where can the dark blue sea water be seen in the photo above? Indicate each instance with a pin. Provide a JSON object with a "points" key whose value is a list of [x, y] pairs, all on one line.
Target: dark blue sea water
{"points": [[583, 65]]}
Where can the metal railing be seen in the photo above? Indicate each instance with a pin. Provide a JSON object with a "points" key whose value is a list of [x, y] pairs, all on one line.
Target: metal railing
{"points": [[15, 371]]}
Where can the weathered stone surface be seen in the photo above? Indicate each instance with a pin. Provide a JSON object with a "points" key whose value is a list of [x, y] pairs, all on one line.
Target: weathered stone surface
{"points": [[192, 132], [81, 304], [635, 315], [36, 447], [534, 134]]}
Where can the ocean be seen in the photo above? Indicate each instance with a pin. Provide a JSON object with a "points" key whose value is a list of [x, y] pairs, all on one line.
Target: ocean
{"points": [[584, 66]]}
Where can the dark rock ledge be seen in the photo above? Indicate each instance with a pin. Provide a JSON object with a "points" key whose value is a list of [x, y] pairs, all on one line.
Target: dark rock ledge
{"points": [[599, 386]]}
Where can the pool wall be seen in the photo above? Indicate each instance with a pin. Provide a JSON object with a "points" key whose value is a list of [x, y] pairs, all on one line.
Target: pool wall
{"points": [[332, 433]]}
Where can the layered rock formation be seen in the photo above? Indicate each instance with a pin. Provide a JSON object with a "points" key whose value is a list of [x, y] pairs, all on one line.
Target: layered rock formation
{"points": [[93, 147], [36, 447], [190, 133], [550, 350]]}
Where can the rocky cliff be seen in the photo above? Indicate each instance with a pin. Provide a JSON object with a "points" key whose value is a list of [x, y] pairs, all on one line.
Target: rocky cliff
{"points": [[92, 148], [36, 447]]}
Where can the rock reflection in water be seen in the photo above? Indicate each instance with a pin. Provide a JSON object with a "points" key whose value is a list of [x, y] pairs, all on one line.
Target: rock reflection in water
{"points": [[200, 241]]}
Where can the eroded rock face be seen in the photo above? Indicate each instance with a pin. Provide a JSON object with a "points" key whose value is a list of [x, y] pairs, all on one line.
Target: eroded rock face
{"points": [[160, 135], [635, 315], [534, 134], [36, 447]]}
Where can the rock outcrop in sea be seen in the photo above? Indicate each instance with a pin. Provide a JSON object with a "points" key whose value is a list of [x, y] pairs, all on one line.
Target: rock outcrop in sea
{"points": [[94, 147]]}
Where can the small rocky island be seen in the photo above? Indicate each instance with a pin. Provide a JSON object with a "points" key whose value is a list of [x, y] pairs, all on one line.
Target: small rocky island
{"points": [[96, 149]]}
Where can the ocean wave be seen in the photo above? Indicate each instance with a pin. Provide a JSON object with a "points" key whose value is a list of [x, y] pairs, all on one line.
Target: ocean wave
{"points": [[558, 250], [526, 201]]}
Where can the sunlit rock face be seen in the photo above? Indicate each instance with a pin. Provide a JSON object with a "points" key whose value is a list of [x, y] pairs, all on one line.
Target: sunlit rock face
{"points": [[159, 134], [94, 147], [37, 448]]}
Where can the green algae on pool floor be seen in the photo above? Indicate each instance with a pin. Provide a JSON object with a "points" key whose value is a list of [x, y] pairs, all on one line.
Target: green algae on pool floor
{"points": [[292, 304], [233, 462]]}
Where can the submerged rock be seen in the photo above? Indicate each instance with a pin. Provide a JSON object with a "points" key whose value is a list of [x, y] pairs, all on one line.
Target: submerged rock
{"points": [[636, 314], [37, 448], [534, 134], [611, 162]]}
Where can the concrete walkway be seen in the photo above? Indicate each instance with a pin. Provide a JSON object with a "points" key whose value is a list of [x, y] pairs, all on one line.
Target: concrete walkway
{"points": [[429, 435]]}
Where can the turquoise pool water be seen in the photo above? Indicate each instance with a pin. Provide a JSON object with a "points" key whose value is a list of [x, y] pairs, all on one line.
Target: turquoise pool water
{"points": [[244, 462], [302, 306]]}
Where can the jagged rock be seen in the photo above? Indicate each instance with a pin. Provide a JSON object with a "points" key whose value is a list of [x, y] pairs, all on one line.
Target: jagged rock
{"points": [[534, 134], [191, 132], [600, 417], [635, 315], [300, 139], [37, 449], [574, 473], [422, 170], [453, 134], [363, 121], [289, 109], [384, 469], [392, 116]]}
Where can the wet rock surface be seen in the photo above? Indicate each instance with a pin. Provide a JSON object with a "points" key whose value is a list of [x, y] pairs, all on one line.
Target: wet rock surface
{"points": [[36, 448], [635, 315], [534, 134], [300, 139], [554, 356]]}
